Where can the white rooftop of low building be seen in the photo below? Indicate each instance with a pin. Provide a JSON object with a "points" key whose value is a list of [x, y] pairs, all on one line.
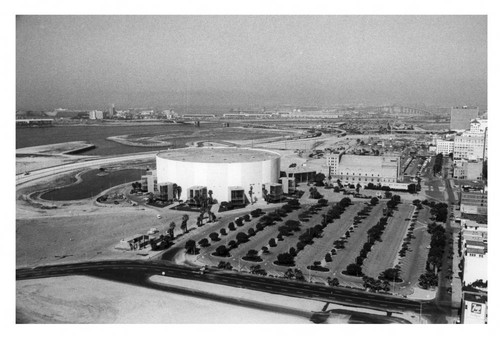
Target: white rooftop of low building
{"points": [[218, 155], [375, 161]]}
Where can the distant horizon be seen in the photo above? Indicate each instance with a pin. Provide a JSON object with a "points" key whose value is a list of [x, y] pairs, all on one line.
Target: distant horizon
{"points": [[78, 62]]}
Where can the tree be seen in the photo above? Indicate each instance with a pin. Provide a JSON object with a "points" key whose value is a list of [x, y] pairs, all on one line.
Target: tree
{"points": [[210, 193], [442, 214], [171, 229], [328, 257], [374, 201], [345, 202], [190, 246], [354, 270], [333, 282], [286, 259], [231, 226], [388, 194], [223, 231], [185, 218], [204, 243], [319, 179], [323, 202], [242, 237], [179, 191], [214, 236], [250, 193], [272, 242], [251, 232], [294, 225], [358, 186], [390, 274], [412, 188], [221, 251]]}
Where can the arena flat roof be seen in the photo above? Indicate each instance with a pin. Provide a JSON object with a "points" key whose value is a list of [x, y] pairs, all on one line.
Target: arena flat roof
{"points": [[218, 155]]}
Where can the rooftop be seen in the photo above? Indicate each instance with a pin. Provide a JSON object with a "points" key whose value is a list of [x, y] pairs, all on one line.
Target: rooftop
{"points": [[475, 297], [218, 155], [373, 161]]}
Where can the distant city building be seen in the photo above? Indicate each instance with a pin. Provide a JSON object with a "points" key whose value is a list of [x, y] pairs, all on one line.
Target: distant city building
{"points": [[471, 170], [461, 117], [478, 125], [111, 111], [471, 146], [474, 202], [364, 169], [444, 146], [149, 182], [94, 114]]}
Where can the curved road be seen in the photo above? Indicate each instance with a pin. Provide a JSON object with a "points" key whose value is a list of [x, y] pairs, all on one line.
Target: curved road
{"points": [[138, 273]]}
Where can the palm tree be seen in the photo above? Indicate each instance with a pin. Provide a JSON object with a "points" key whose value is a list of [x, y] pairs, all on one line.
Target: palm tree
{"points": [[185, 218], [171, 229], [174, 191], [250, 193]]}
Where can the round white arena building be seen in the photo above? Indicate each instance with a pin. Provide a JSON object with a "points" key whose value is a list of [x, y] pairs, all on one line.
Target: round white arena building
{"points": [[227, 172]]}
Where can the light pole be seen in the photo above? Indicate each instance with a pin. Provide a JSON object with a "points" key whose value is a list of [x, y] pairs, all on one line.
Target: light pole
{"points": [[420, 317]]}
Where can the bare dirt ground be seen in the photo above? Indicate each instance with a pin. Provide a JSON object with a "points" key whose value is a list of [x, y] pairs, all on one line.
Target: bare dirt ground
{"points": [[82, 299]]}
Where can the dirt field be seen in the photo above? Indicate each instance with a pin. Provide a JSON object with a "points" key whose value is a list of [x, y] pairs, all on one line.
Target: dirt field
{"points": [[53, 300]]}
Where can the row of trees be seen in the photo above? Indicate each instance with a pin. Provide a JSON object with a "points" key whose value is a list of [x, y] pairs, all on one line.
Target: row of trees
{"points": [[435, 257], [313, 193], [374, 234], [307, 237], [438, 164]]}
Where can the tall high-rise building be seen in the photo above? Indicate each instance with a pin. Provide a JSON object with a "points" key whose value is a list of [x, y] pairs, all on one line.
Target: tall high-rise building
{"points": [[111, 112], [462, 116]]}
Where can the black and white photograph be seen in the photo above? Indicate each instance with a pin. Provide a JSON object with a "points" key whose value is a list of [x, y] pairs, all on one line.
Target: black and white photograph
{"points": [[250, 169]]}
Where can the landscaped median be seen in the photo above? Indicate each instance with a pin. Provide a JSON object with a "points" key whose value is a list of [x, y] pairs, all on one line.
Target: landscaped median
{"points": [[241, 294]]}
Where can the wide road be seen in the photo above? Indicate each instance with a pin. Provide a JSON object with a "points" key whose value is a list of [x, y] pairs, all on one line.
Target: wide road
{"points": [[81, 163], [138, 272]]}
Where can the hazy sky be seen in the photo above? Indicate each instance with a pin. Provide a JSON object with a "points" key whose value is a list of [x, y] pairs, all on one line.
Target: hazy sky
{"points": [[91, 61]]}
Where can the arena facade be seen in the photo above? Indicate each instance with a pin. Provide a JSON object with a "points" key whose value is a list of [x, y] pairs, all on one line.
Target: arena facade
{"points": [[228, 172]]}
